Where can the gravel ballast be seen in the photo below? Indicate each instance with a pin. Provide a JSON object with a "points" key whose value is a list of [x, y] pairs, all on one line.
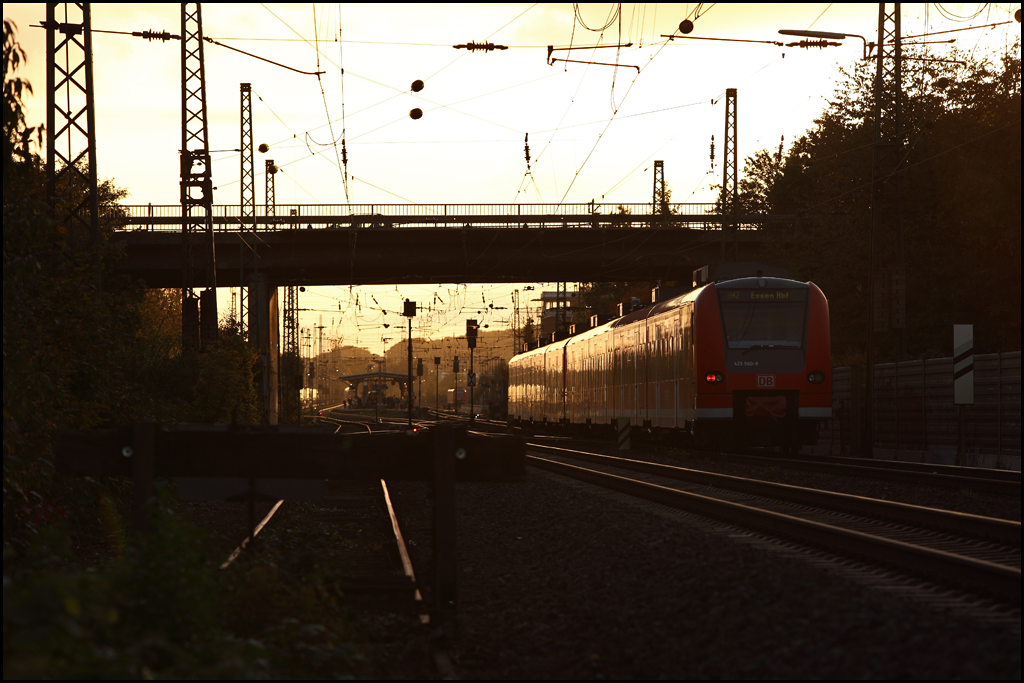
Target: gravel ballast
{"points": [[559, 579]]}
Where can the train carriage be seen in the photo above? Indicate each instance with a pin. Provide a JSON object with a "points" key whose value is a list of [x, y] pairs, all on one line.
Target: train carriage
{"points": [[744, 361]]}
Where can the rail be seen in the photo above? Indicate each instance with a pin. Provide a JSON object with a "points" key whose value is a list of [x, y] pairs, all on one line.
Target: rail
{"points": [[977, 576]]}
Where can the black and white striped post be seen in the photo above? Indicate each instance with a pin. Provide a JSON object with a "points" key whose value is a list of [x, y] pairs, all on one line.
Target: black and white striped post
{"points": [[622, 432], [963, 381]]}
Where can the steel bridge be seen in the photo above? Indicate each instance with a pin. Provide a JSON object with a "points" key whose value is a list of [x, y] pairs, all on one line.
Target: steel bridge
{"points": [[340, 244]]}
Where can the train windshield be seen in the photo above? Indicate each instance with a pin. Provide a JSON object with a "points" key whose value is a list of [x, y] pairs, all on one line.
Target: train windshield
{"points": [[758, 319]]}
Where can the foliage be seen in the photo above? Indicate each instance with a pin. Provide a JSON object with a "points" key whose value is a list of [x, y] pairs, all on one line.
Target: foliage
{"points": [[961, 207], [529, 332], [85, 348], [17, 136]]}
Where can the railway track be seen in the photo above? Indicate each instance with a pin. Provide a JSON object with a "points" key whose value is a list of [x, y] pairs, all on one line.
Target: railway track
{"points": [[371, 579], [981, 480], [976, 555], [975, 479]]}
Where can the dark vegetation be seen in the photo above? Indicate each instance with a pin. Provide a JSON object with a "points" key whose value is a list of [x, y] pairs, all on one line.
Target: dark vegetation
{"points": [[962, 200], [961, 207], [85, 596]]}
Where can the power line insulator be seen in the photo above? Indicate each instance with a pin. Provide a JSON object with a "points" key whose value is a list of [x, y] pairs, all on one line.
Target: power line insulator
{"points": [[264, 148], [685, 26], [155, 35], [416, 113], [417, 85], [484, 47]]}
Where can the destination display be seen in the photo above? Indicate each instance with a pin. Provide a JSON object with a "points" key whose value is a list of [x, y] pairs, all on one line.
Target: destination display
{"points": [[766, 295]]}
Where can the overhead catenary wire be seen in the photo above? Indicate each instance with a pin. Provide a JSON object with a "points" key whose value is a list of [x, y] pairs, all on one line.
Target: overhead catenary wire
{"points": [[323, 96]]}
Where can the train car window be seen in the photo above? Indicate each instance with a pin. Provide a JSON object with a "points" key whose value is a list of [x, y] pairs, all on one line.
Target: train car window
{"points": [[753, 321]]}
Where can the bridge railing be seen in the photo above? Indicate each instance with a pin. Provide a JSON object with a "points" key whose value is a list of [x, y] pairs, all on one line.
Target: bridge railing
{"points": [[227, 217], [138, 211], [167, 217]]}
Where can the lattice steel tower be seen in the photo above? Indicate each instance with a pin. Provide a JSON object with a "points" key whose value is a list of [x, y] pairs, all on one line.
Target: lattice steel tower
{"points": [[659, 202], [730, 173], [887, 305], [246, 253], [271, 199], [71, 121], [200, 262], [517, 332], [888, 275]]}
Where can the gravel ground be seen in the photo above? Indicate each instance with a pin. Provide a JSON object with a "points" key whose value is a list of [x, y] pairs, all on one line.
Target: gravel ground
{"points": [[986, 504], [560, 580]]}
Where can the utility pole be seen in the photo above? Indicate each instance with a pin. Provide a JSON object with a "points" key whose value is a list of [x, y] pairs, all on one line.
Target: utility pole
{"points": [[887, 302], [419, 376], [291, 380], [730, 176], [560, 294], [471, 331], [409, 312], [199, 316], [455, 370], [517, 333], [71, 121], [437, 382], [317, 364]]}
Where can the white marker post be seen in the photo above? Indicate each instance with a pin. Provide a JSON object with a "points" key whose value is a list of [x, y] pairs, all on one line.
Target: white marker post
{"points": [[963, 379]]}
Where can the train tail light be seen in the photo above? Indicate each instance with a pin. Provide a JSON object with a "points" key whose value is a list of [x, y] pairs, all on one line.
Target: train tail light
{"points": [[816, 377], [713, 377]]}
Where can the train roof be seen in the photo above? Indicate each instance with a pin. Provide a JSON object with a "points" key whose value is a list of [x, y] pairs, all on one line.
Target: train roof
{"points": [[668, 305]]}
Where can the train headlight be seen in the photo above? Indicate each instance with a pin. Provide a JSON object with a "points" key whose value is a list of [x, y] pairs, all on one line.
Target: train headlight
{"points": [[816, 377], [713, 377]]}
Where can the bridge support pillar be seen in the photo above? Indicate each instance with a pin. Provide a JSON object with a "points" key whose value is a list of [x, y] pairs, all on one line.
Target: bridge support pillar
{"points": [[264, 335]]}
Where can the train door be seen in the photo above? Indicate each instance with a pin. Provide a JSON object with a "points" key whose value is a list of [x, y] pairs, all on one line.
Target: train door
{"points": [[654, 379], [628, 381], [687, 382], [615, 406], [563, 412], [651, 380], [677, 343]]}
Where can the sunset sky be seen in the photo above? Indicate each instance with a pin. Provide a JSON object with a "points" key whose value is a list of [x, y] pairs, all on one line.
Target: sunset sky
{"points": [[594, 131]]}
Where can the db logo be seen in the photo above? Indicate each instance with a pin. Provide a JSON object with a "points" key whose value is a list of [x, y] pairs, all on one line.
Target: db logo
{"points": [[766, 381]]}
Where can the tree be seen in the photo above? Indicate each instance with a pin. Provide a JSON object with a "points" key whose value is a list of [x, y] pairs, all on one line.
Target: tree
{"points": [[17, 136], [529, 332], [961, 214]]}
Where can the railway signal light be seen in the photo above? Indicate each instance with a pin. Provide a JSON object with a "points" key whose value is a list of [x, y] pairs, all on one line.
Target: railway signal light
{"points": [[472, 328], [455, 364], [419, 367]]}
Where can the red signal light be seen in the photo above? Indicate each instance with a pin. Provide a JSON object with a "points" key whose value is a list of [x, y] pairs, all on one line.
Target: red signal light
{"points": [[713, 377]]}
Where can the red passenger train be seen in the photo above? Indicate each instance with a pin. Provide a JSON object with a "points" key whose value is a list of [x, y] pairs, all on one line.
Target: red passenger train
{"points": [[740, 362]]}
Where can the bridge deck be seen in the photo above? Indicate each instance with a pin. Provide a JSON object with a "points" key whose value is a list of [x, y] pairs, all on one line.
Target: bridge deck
{"points": [[426, 255]]}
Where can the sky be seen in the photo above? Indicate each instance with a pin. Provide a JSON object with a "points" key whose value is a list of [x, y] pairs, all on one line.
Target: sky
{"points": [[594, 130]]}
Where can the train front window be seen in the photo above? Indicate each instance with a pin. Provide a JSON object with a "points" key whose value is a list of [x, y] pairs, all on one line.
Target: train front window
{"points": [[752, 322]]}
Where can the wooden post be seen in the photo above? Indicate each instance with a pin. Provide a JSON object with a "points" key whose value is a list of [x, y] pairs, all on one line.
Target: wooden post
{"points": [[142, 453], [445, 570]]}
